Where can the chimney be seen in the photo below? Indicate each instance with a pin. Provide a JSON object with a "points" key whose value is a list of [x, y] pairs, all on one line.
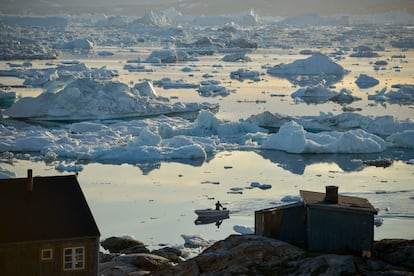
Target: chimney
{"points": [[331, 195], [29, 187]]}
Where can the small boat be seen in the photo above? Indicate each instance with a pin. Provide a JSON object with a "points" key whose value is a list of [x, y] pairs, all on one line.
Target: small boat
{"points": [[212, 212]]}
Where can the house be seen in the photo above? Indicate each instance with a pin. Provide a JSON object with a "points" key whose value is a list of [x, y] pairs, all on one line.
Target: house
{"points": [[321, 222], [47, 228]]}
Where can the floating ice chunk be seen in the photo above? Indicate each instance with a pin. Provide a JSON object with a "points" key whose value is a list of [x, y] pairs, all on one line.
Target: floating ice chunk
{"points": [[317, 64], [378, 221], [62, 167], [365, 81], [239, 56], [195, 241], [381, 125], [80, 43], [213, 91], [293, 138], [290, 198], [146, 89], [244, 230], [242, 74], [168, 56], [260, 186], [167, 83], [5, 174], [403, 139], [317, 94], [85, 99], [404, 94]]}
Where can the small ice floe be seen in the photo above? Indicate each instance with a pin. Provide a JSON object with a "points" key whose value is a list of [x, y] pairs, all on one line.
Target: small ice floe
{"points": [[79, 43], [105, 53], [236, 190], [363, 51], [365, 81], [378, 162], [401, 93], [314, 94], [378, 221], [137, 68], [410, 162], [260, 186], [239, 56], [213, 91], [7, 98], [243, 74], [290, 198], [167, 83], [195, 241], [63, 167], [244, 230], [6, 174], [168, 56]]}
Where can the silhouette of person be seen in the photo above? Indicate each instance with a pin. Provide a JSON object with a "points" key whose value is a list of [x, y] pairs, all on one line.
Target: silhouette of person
{"points": [[218, 205]]}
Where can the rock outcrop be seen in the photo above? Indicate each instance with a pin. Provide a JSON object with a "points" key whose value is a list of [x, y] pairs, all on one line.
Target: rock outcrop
{"points": [[257, 255]]}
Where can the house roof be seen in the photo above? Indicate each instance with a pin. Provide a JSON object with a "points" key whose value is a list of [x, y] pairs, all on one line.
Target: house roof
{"points": [[55, 209], [344, 202]]}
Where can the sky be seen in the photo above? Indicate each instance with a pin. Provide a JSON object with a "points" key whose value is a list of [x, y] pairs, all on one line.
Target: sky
{"points": [[205, 7]]}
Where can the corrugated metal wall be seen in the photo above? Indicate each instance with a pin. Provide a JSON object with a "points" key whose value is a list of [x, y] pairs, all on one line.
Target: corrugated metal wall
{"points": [[330, 230]]}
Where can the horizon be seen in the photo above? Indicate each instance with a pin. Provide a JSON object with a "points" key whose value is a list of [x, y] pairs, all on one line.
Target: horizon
{"points": [[198, 7]]}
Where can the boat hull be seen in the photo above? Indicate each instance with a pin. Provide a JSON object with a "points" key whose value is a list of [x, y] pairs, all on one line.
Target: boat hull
{"points": [[212, 213]]}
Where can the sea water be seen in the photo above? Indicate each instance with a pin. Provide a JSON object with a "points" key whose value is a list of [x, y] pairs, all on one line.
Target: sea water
{"points": [[155, 202]]}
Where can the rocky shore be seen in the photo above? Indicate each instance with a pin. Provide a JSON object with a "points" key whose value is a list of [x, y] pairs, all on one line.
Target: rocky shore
{"points": [[254, 255]]}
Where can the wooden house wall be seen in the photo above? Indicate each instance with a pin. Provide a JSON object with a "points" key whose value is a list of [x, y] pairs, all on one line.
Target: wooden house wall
{"points": [[24, 258], [331, 230], [287, 223]]}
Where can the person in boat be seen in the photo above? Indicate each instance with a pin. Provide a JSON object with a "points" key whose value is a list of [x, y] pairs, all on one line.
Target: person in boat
{"points": [[218, 205]]}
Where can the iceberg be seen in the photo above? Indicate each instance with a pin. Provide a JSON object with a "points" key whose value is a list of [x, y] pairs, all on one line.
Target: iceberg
{"points": [[80, 43], [318, 64], [381, 125], [404, 139], [365, 81], [86, 99], [314, 94], [292, 138], [403, 95]]}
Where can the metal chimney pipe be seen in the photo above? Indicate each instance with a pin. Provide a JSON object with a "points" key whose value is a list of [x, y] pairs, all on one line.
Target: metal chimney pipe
{"points": [[331, 195], [29, 180]]}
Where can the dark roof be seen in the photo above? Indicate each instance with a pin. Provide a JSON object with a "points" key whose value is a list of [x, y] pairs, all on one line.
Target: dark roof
{"points": [[55, 209], [344, 202]]}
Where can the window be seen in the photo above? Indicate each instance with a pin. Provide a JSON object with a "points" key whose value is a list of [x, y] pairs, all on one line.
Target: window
{"points": [[46, 254], [74, 258]]}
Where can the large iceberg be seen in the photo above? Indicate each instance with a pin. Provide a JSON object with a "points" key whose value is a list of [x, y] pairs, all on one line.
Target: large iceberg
{"points": [[320, 66], [86, 99], [381, 125], [293, 138]]}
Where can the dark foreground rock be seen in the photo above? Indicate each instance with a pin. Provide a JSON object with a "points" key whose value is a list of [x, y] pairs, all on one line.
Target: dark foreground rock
{"points": [[121, 244], [257, 255]]}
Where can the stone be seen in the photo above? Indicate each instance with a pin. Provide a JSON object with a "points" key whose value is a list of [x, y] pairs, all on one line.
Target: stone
{"points": [[144, 261], [172, 254], [398, 252], [116, 244]]}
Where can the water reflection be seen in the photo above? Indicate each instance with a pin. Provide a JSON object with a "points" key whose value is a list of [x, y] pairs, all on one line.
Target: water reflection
{"points": [[296, 163], [210, 220], [310, 80]]}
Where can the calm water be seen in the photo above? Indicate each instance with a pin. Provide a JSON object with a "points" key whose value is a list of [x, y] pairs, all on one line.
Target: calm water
{"points": [[155, 202]]}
